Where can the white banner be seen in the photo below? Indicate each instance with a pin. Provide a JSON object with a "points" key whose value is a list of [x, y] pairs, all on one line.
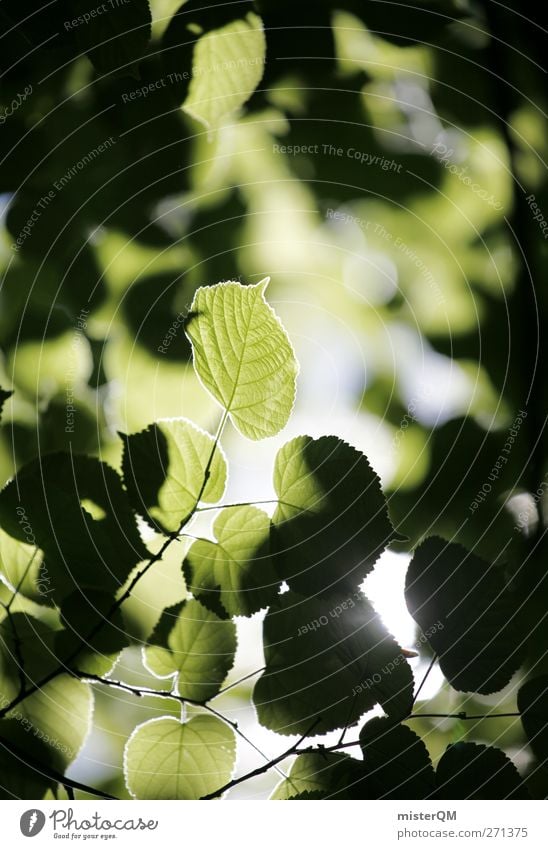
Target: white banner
{"points": [[245, 825]]}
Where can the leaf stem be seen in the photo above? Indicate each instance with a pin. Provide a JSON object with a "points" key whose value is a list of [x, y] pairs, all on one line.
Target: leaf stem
{"points": [[462, 715]]}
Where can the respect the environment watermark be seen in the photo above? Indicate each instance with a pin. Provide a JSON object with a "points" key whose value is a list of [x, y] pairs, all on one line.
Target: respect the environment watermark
{"points": [[58, 185], [96, 12]]}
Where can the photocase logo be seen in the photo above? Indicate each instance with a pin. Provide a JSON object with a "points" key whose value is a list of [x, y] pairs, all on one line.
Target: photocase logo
{"points": [[32, 822]]}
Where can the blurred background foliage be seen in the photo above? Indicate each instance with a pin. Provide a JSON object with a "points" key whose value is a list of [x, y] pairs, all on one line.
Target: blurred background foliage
{"points": [[414, 298]]}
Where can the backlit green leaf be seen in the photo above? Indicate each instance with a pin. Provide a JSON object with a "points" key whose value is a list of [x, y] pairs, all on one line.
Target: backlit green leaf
{"points": [[243, 356], [60, 715], [234, 576], [227, 66], [167, 759], [164, 471], [22, 565], [192, 643]]}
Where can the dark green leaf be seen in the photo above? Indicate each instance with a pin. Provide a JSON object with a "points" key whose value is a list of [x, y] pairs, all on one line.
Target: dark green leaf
{"points": [[115, 34], [396, 760], [4, 395], [192, 643], [164, 470], [472, 771], [327, 662], [466, 610], [315, 775], [81, 614], [331, 521], [533, 706], [79, 515], [21, 755]]}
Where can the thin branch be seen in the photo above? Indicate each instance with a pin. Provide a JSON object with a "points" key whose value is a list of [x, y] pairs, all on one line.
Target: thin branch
{"points": [[462, 715], [167, 694], [240, 681], [247, 504], [423, 682]]}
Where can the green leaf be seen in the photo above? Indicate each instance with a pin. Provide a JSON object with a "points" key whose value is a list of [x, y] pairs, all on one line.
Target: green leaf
{"points": [[192, 643], [81, 613], [26, 651], [243, 356], [331, 521], [397, 761], [19, 751], [164, 468], [317, 773], [114, 38], [48, 730], [79, 515], [167, 759], [533, 706], [4, 395], [22, 565], [227, 66], [472, 771], [466, 610], [235, 575], [327, 662]]}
